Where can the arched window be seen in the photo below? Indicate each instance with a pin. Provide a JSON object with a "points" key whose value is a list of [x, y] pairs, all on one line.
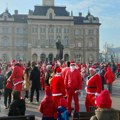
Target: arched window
{"points": [[34, 57], [43, 57], [50, 57]]}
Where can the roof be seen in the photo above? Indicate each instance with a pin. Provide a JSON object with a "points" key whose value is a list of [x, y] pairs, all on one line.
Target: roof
{"points": [[78, 20], [42, 10], [6, 11], [20, 18]]}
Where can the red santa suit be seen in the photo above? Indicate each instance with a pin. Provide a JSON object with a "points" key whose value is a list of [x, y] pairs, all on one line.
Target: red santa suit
{"points": [[64, 71], [47, 105], [57, 86], [16, 77], [93, 89], [73, 84]]}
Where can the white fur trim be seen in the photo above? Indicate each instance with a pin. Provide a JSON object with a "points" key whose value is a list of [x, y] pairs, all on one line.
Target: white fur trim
{"points": [[58, 74], [57, 94], [92, 69], [18, 83]]}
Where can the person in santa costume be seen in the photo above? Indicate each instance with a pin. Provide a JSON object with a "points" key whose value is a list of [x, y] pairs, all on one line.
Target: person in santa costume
{"points": [[73, 84], [104, 109], [64, 70], [47, 105], [17, 76], [93, 88], [109, 78], [57, 86]]}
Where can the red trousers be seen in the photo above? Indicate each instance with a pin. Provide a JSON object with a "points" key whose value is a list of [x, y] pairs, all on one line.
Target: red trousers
{"points": [[90, 101], [71, 94], [56, 100]]}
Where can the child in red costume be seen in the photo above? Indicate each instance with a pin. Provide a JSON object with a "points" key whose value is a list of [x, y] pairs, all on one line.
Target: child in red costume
{"points": [[47, 106]]}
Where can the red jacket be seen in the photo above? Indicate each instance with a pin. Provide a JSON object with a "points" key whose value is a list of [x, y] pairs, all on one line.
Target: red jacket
{"points": [[57, 86], [109, 75], [73, 80], [17, 75], [47, 107], [64, 71], [94, 85], [9, 85]]}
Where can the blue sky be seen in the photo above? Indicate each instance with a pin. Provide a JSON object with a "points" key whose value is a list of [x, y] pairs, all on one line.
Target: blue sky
{"points": [[108, 12]]}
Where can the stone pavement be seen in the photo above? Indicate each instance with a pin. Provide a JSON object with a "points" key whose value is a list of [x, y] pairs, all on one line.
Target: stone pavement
{"points": [[33, 108]]}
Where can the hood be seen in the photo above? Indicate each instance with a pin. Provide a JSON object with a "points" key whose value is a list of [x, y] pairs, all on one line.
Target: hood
{"points": [[109, 68], [107, 114]]}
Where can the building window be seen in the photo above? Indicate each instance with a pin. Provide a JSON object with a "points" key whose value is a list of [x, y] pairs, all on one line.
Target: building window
{"points": [[66, 41], [50, 29], [35, 29], [34, 41], [51, 41], [58, 30], [77, 32], [50, 16], [90, 32], [5, 30], [42, 29]]}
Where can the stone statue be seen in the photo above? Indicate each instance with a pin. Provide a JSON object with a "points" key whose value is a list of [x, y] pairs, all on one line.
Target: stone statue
{"points": [[60, 48]]}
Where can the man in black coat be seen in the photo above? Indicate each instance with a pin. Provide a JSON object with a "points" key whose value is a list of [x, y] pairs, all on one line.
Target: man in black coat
{"points": [[35, 82]]}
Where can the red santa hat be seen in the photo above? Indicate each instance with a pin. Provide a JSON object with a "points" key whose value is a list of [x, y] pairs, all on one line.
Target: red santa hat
{"points": [[13, 61], [92, 68], [58, 70], [104, 100], [72, 62], [48, 91]]}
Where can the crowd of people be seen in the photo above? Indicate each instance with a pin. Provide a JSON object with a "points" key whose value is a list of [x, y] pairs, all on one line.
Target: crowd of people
{"points": [[62, 83]]}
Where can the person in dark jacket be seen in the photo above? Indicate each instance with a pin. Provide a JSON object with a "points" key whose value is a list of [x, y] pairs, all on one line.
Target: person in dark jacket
{"points": [[104, 110], [17, 107], [8, 90], [35, 82]]}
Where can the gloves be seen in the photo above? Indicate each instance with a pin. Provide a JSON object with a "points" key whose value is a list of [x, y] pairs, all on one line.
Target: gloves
{"points": [[78, 91]]}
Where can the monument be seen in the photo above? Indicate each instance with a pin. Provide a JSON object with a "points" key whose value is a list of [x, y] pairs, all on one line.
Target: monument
{"points": [[60, 49]]}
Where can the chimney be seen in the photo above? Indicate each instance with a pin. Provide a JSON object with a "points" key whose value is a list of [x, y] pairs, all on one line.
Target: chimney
{"points": [[80, 14], [16, 12], [30, 12]]}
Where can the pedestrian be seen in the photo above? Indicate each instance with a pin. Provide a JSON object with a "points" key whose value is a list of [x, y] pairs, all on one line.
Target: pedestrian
{"points": [[17, 76], [17, 107], [109, 77], [48, 74], [47, 105], [73, 84], [64, 70], [7, 94], [26, 82], [93, 89], [104, 110], [57, 86], [35, 82]]}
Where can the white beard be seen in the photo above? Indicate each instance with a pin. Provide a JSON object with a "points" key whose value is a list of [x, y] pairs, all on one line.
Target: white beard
{"points": [[72, 68]]}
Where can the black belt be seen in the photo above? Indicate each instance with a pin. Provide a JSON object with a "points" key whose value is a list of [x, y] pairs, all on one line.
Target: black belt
{"points": [[91, 87]]}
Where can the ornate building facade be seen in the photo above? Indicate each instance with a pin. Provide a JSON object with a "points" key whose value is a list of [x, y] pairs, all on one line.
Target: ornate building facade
{"points": [[33, 36]]}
